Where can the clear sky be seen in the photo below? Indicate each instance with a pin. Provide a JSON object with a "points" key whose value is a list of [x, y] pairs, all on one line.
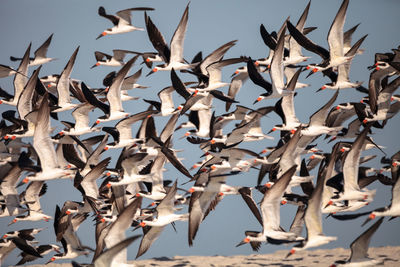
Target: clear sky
{"points": [[211, 24]]}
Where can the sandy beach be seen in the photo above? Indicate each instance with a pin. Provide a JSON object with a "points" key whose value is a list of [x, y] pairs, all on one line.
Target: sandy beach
{"points": [[320, 257]]}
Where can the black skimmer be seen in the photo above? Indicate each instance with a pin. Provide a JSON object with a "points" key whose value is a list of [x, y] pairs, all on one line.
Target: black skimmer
{"points": [[351, 188], [278, 88], [285, 108], [270, 212], [64, 84], [391, 210], [122, 132], [114, 110], [32, 195], [122, 20], [106, 258], [65, 227], [116, 231], [43, 145], [172, 55], [20, 78], [6, 71], [40, 54], [116, 60], [42, 250], [313, 213], [217, 55], [295, 54], [317, 124], [359, 249], [343, 80], [335, 56]]}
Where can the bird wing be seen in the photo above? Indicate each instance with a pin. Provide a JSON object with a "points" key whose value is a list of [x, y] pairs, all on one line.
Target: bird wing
{"points": [[335, 34], [319, 117], [42, 50], [114, 92], [126, 15], [148, 239], [42, 142], [157, 39], [178, 38], [359, 247], [63, 83], [270, 204], [307, 43], [112, 18]]}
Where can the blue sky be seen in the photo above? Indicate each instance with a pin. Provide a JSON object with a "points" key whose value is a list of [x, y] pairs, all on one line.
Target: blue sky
{"points": [[211, 24]]}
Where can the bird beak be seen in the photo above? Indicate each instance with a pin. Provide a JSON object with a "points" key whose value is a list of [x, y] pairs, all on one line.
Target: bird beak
{"points": [[95, 65], [50, 261], [309, 74], [101, 35], [12, 222], [151, 72], [332, 139], [370, 217], [256, 101], [241, 244], [291, 252], [366, 221], [329, 203], [20, 184], [320, 89], [94, 124]]}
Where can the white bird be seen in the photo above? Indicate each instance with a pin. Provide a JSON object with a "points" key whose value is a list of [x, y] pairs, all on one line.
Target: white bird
{"points": [[116, 60], [44, 147], [122, 20], [116, 231], [359, 250], [40, 54], [63, 85], [173, 55], [313, 213], [165, 215], [20, 78]]}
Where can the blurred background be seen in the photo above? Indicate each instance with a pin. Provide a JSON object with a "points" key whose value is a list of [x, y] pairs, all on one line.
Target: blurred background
{"points": [[211, 24]]}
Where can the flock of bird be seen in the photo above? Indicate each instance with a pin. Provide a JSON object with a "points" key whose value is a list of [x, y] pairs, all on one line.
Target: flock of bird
{"points": [[114, 194]]}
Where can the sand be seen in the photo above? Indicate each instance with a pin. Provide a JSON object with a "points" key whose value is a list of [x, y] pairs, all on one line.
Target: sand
{"points": [[319, 257]]}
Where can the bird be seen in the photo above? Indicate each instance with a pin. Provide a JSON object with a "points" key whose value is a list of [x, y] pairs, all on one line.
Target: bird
{"points": [[122, 20], [40, 54], [56, 125], [359, 249], [116, 231], [335, 56], [116, 60], [114, 110], [270, 212], [172, 55], [63, 85]]}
